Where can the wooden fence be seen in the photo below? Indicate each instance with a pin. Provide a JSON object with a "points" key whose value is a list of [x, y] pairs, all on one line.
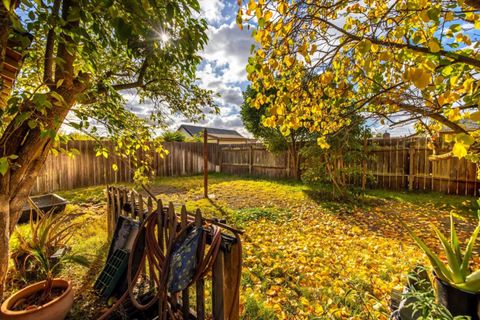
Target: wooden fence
{"points": [[253, 160], [403, 163], [62, 172], [394, 163]]}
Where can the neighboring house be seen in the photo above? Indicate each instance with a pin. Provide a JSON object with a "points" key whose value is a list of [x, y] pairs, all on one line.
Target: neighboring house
{"points": [[468, 124], [215, 135]]}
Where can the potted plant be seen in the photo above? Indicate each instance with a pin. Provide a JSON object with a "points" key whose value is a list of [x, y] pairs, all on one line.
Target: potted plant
{"points": [[45, 248], [457, 287]]}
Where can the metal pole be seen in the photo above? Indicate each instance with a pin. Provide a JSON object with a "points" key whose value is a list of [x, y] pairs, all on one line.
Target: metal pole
{"points": [[205, 163]]}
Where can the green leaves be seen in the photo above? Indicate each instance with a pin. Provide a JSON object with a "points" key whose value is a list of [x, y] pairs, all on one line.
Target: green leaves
{"points": [[456, 272], [440, 269], [468, 250], [5, 163]]}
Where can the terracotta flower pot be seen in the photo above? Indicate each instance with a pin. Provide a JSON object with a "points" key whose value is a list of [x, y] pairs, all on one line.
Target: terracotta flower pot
{"points": [[56, 309]]}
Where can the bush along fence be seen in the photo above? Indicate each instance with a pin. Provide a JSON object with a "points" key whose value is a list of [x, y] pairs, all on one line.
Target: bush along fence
{"points": [[393, 163]]}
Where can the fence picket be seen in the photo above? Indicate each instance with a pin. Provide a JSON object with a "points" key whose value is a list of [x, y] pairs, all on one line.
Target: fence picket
{"points": [[395, 163]]}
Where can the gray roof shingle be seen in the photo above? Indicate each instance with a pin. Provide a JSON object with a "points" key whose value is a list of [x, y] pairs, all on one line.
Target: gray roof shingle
{"points": [[195, 130]]}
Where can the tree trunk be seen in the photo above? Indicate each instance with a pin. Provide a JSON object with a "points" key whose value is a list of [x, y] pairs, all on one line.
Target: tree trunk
{"points": [[4, 240], [32, 150], [31, 145], [294, 154]]}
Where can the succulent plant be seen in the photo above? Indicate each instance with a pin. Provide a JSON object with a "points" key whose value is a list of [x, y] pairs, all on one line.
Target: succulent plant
{"points": [[456, 271]]}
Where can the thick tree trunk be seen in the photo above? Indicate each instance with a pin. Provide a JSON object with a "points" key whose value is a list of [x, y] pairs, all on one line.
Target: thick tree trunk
{"points": [[4, 240], [29, 144], [32, 149]]}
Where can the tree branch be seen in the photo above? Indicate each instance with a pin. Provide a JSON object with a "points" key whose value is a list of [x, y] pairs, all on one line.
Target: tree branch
{"points": [[49, 47], [136, 84], [65, 71], [418, 110], [452, 55]]}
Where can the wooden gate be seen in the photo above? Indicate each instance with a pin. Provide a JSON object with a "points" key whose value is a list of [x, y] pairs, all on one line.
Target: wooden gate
{"points": [[195, 302]]}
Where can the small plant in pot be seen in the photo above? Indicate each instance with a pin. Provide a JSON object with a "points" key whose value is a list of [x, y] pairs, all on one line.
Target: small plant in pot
{"points": [[51, 298], [457, 287]]}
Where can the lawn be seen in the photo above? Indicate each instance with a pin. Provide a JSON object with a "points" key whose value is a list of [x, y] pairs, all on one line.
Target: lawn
{"points": [[305, 255]]}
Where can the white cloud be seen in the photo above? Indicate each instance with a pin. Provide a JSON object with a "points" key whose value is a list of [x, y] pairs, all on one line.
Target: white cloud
{"points": [[229, 48], [211, 10], [223, 69]]}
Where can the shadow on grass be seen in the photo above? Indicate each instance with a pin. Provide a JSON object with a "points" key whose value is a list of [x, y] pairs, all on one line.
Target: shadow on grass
{"points": [[219, 208], [379, 211], [353, 199], [87, 303]]}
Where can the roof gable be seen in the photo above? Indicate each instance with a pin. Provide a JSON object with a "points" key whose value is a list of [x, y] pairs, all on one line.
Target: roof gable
{"points": [[195, 130]]}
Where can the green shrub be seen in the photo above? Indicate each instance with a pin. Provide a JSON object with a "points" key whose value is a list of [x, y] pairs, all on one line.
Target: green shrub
{"points": [[253, 214], [176, 136], [256, 310]]}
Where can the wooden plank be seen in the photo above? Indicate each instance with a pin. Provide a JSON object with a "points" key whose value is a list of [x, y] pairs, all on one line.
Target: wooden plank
{"points": [[218, 296], [141, 208], [411, 167], [200, 284], [185, 293], [232, 264], [110, 206], [118, 210]]}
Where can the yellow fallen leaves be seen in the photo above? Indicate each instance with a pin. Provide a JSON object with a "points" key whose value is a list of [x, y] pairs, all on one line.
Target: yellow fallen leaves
{"points": [[304, 261], [319, 265]]}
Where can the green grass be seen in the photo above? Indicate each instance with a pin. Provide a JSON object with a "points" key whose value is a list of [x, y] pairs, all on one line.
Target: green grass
{"points": [[90, 195], [294, 234], [466, 205]]}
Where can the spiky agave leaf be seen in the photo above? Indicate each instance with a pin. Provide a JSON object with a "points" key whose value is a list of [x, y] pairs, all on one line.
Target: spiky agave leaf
{"points": [[440, 269], [453, 262], [472, 283], [469, 249], [454, 239]]}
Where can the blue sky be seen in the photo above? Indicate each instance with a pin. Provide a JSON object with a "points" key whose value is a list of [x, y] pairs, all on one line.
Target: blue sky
{"points": [[224, 59], [223, 67]]}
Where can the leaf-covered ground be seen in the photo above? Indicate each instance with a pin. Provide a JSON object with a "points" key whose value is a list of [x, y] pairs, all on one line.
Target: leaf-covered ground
{"points": [[305, 256]]}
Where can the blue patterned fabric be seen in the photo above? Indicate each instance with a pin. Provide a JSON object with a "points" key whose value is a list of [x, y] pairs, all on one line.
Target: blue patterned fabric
{"points": [[184, 261]]}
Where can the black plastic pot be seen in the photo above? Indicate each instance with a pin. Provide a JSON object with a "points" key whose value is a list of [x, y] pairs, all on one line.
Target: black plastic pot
{"points": [[458, 302]]}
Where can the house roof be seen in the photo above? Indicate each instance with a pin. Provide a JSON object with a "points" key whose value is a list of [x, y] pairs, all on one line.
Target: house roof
{"points": [[220, 133], [467, 124], [226, 136]]}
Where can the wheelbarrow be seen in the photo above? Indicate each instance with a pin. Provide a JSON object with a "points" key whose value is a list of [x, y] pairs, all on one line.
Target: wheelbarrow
{"points": [[46, 202]]}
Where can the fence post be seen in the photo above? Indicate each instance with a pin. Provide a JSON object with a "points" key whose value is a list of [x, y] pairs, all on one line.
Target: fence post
{"points": [[205, 164], [287, 160], [218, 294], [411, 167], [232, 263], [220, 158], [250, 160], [364, 164]]}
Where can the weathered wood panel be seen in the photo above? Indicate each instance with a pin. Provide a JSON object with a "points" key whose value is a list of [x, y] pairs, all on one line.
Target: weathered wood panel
{"points": [[393, 163], [255, 160], [62, 172]]}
